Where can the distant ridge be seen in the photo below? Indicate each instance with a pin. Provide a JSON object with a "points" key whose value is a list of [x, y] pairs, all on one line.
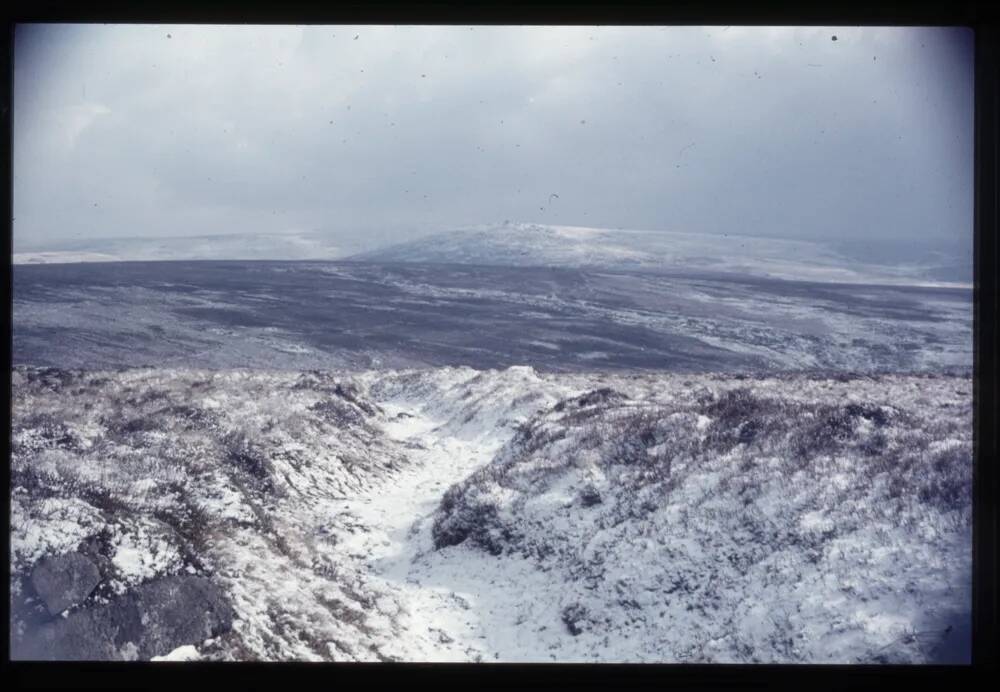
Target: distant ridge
{"points": [[528, 244], [285, 246]]}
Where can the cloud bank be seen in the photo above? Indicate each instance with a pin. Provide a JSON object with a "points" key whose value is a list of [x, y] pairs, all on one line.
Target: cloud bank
{"points": [[165, 131]]}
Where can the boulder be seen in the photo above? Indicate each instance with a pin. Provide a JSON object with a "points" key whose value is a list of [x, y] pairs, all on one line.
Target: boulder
{"points": [[180, 610], [590, 496], [64, 581], [576, 618], [151, 620]]}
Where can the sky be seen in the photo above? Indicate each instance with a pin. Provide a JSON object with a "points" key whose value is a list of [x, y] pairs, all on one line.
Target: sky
{"points": [[164, 131]]}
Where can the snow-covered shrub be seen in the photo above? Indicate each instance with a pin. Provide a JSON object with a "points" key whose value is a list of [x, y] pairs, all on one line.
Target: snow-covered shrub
{"points": [[154, 474], [780, 491], [472, 518], [576, 618], [649, 517], [250, 459]]}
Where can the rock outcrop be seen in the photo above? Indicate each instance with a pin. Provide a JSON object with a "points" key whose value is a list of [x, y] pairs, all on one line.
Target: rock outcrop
{"points": [[64, 581], [151, 620]]}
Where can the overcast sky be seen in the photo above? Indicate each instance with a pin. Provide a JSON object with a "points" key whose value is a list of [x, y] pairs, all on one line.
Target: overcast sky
{"points": [[128, 130]]}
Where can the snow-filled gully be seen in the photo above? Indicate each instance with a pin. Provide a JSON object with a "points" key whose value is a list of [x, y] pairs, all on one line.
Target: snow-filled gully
{"points": [[337, 559], [437, 623]]}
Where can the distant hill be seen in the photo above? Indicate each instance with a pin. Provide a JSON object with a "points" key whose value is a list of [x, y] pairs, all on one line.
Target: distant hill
{"points": [[519, 244], [525, 244], [285, 246]]}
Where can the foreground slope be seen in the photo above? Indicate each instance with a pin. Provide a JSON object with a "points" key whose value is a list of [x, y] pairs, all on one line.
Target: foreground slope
{"points": [[784, 520], [456, 514]]}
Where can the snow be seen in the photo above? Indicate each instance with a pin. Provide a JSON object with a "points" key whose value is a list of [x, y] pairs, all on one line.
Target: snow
{"points": [[143, 552], [313, 498], [58, 257], [48, 526], [437, 623], [187, 652], [290, 246]]}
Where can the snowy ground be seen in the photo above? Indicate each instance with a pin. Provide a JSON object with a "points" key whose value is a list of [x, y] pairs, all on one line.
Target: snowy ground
{"points": [[298, 315], [507, 515], [437, 628]]}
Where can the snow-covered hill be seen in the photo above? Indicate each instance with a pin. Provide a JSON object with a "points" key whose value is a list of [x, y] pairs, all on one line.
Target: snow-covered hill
{"points": [[501, 515], [260, 246], [301, 245], [525, 244], [521, 244]]}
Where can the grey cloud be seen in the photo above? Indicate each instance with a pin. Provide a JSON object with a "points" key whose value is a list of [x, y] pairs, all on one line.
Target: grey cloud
{"points": [[769, 131]]}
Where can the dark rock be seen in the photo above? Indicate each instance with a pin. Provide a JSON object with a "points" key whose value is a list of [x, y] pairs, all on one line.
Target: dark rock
{"points": [[180, 610], [152, 620], [99, 548], [748, 431], [83, 636], [598, 396], [590, 496], [575, 617], [65, 580], [139, 425], [869, 412], [350, 392], [592, 398]]}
